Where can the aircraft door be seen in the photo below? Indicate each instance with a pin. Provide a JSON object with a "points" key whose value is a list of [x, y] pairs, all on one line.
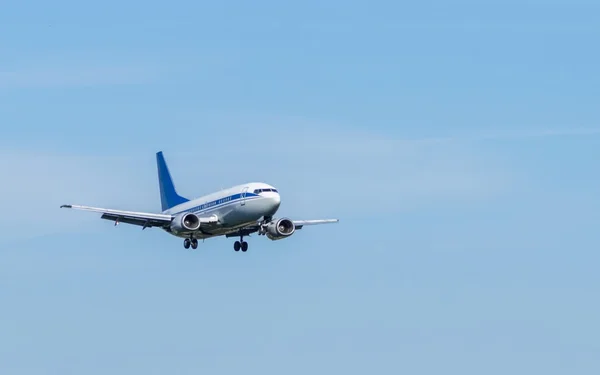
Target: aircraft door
{"points": [[244, 191]]}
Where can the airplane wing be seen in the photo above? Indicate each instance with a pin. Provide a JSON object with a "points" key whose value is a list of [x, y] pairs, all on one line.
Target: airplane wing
{"points": [[247, 230], [144, 219], [300, 223]]}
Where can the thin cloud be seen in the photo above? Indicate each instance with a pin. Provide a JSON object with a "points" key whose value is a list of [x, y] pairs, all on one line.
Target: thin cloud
{"points": [[76, 76], [518, 135], [37, 183], [291, 131], [320, 173], [318, 183], [497, 136]]}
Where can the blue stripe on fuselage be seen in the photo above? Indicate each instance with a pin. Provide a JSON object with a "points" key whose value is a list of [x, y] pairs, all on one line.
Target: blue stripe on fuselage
{"points": [[218, 203]]}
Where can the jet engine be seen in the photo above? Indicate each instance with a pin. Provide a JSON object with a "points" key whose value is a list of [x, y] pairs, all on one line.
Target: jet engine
{"points": [[183, 223], [280, 229]]}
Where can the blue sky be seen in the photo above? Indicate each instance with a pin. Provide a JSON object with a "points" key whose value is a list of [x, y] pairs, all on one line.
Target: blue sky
{"points": [[456, 141]]}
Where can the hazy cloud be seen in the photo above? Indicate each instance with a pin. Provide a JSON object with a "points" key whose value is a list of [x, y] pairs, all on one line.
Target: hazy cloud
{"points": [[320, 174], [322, 171], [35, 184], [524, 134], [74, 73]]}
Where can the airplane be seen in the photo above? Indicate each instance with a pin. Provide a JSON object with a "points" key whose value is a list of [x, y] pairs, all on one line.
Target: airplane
{"points": [[234, 212]]}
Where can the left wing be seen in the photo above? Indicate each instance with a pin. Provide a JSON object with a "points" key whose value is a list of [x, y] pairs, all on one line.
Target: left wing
{"points": [[144, 219]]}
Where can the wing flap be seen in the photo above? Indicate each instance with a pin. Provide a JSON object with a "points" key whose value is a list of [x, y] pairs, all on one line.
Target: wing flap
{"points": [[208, 220], [146, 223]]}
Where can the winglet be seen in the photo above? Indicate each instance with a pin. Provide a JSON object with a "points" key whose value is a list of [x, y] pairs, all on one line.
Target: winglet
{"points": [[168, 195]]}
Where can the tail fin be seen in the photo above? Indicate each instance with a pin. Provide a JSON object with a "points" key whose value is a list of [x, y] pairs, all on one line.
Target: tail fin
{"points": [[168, 195]]}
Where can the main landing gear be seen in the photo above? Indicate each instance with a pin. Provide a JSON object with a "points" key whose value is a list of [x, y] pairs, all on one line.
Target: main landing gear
{"points": [[241, 244], [237, 246], [190, 242]]}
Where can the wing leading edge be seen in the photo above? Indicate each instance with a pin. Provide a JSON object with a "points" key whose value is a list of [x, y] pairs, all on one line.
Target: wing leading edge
{"points": [[300, 223]]}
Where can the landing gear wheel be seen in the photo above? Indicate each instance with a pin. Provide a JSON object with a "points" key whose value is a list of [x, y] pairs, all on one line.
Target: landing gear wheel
{"points": [[194, 244], [244, 246], [237, 246], [186, 243]]}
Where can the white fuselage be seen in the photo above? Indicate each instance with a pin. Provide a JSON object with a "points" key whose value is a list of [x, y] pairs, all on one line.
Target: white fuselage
{"points": [[234, 208]]}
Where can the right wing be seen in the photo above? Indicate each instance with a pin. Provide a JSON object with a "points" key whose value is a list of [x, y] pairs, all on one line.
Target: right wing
{"points": [[300, 223], [144, 219], [253, 228]]}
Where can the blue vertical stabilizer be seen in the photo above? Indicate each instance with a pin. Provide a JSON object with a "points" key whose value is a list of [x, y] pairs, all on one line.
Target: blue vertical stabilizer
{"points": [[168, 195]]}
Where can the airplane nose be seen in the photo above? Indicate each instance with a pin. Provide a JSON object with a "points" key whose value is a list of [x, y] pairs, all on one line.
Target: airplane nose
{"points": [[276, 200]]}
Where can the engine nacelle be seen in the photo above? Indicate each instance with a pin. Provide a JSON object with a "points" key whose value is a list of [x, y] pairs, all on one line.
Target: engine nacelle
{"points": [[280, 229], [184, 223]]}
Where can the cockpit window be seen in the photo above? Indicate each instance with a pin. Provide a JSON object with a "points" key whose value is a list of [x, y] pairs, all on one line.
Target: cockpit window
{"points": [[258, 191]]}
